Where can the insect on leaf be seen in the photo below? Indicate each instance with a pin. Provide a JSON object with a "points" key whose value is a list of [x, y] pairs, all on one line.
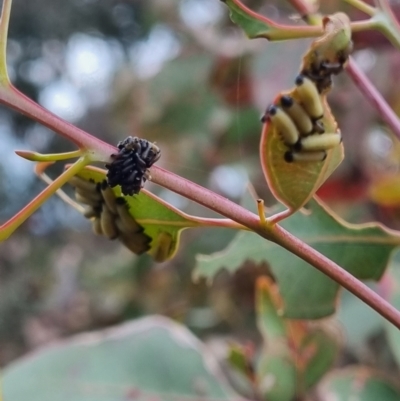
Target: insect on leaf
{"points": [[294, 183], [160, 223]]}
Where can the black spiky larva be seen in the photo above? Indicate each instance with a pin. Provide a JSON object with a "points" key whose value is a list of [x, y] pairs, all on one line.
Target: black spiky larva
{"points": [[129, 167], [283, 123]]}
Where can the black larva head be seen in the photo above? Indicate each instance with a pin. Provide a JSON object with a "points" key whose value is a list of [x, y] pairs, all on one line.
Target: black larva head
{"points": [[272, 110], [299, 80], [297, 145], [287, 101], [129, 166], [288, 156]]}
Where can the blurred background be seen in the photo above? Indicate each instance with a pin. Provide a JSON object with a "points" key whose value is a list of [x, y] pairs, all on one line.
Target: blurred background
{"points": [[181, 74]]}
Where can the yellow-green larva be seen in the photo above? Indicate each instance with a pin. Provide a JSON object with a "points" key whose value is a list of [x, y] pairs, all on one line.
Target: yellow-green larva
{"points": [[137, 243], [96, 225], [108, 224], [318, 142], [85, 185], [109, 197], [87, 200], [310, 97], [127, 222], [293, 156], [298, 114], [284, 125]]}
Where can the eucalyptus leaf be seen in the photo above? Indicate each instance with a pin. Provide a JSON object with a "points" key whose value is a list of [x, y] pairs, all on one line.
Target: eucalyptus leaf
{"points": [[363, 250], [145, 359], [162, 222]]}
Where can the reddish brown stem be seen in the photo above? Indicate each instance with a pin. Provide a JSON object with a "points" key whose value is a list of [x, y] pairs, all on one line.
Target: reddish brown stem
{"points": [[19, 102], [341, 276], [278, 235], [374, 96]]}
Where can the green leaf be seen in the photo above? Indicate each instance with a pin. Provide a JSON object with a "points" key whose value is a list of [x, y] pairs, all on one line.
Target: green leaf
{"points": [[357, 331], [249, 21], [269, 321], [277, 377], [162, 222], [363, 250], [357, 384], [276, 367], [258, 26], [320, 349], [392, 286], [297, 353], [149, 358]]}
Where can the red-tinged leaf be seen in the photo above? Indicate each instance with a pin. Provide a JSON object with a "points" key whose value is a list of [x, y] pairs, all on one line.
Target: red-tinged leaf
{"points": [[294, 184]]}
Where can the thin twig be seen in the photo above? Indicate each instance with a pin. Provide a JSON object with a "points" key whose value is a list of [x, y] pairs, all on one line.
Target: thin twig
{"points": [[374, 96], [341, 276], [4, 22], [362, 6], [278, 235]]}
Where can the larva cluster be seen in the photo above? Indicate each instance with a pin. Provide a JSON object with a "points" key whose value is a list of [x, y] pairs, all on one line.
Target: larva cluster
{"points": [[110, 214], [129, 167], [298, 115], [328, 54]]}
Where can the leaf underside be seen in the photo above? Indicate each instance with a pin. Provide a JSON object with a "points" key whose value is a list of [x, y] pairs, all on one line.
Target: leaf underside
{"points": [[363, 250], [145, 359], [294, 184], [161, 222]]}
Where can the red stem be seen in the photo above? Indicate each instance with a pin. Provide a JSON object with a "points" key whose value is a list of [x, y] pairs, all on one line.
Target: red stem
{"points": [[374, 96], [11, 97], [278, 235], [341, 276]]}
